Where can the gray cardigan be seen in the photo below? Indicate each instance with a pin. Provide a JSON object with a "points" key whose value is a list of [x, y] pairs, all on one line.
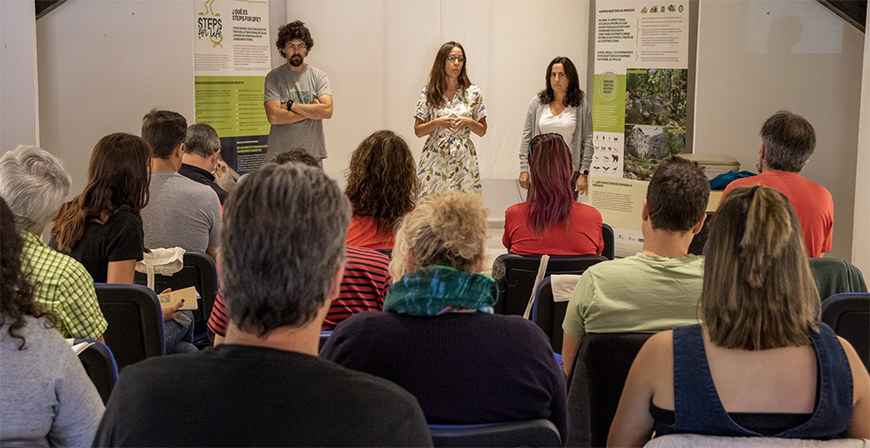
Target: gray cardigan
{"points": [[581, 147]]}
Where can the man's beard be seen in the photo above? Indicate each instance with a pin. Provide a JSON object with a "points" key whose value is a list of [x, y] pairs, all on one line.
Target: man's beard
{"points": [[295, 60]]}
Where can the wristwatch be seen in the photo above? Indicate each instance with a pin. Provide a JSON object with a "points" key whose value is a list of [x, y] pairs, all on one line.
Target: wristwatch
{"points": [[289, 105], [586, 173]]}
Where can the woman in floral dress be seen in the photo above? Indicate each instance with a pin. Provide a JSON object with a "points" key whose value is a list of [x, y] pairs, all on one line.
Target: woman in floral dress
{"points": [[449, 110]]}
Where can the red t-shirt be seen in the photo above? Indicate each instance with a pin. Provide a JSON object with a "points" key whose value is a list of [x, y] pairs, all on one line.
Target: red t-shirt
{"points": [[812, 202], [582, 237], [363, 232], [363, 288]]}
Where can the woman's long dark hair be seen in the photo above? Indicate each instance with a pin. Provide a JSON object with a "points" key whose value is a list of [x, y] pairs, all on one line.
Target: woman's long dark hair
{"points": [[118, 178], [382, 180], [16, 291], [574, 95], [550, 196], [438, 76]]}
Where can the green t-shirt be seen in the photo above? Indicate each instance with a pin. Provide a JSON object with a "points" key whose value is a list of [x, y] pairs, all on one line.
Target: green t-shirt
{"points": [[641, 293]]}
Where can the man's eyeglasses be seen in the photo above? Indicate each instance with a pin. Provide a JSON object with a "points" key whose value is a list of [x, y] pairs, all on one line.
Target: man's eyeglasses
{"points": [[300, 47]]}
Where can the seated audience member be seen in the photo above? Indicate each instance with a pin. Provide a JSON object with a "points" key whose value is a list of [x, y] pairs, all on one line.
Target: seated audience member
{"points": [[102, 229], [181, 212], [438, 338], [550, 221], [299, 155], [34, 184], [265, 386], [363, 286], [202, 148], [47, 398], [382, 186], [759, 364], [659, 288], [787, 142]]}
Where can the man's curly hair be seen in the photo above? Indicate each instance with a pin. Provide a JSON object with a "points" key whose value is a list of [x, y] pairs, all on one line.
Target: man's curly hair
{"points": [[290, 31]]}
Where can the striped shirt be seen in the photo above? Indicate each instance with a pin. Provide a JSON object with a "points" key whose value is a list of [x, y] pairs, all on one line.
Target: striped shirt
{"points": [[363, 288], [64, 287]]}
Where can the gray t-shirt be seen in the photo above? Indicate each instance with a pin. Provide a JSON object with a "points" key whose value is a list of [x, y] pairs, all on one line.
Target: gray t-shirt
{"points": [[283, 84], [181, 213], [45, 394]]}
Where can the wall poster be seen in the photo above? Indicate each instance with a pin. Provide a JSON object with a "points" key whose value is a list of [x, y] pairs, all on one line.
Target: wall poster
{"points": [[639, 104], [231, 59]]}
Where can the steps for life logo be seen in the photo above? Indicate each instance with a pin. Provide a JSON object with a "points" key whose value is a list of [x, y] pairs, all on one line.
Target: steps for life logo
{"points": [[211, 27]]}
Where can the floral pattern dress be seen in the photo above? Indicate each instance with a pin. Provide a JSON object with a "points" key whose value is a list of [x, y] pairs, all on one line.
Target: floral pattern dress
{"points": [[449, 161]]}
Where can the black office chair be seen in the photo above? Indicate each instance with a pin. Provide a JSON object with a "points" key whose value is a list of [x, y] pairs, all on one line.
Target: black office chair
{"points": [[548, 314], [324, 336], [609, 250], [596, 382], [198, 271], [529, 433], [135, 320], [387, 252], [699, 241], [515, 276], [100, 366], [849, 315]]}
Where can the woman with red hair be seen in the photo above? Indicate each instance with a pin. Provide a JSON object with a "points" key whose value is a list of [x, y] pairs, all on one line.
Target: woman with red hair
{"points": [[550, 221]]}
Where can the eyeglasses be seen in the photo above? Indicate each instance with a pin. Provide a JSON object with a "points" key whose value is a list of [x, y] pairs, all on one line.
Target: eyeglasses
{"points": [[300, 47], [459, 59], [540, 136]]}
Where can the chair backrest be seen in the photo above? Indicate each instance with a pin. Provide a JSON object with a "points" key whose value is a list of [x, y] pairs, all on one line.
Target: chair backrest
{"points": [[324, 336], [528, 433], [834, 276], [609, 250], [595, 384], [100, 366], [387, 252], [549, 314], [699, 241], [198, 271], [849, 315], [517, 280], [135, 329]]}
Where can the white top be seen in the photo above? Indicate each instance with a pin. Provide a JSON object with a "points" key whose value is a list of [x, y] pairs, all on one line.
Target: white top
{"points": [[563, 124]]}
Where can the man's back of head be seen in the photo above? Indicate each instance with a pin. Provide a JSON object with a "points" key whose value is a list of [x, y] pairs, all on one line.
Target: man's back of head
{"points": [[164, 130], [677, 195], [34, 184], [788, 141], [285, 228], [202, 140]]}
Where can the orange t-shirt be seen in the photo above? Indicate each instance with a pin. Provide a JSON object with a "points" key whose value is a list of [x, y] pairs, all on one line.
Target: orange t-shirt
{"points": [[812, 202], [363, 232]]}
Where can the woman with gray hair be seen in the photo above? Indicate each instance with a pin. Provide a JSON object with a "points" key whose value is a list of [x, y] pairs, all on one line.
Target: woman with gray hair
{"points": [[438, 338]]}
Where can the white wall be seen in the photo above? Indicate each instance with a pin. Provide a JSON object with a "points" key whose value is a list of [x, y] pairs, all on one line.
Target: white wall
{"points": [[861, 229], [18, 124], [103, 65], [378, 54], [756, 57]]}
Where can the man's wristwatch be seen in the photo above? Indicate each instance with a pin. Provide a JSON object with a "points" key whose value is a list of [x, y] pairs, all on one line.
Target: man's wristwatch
{"points": [[289, 105]]}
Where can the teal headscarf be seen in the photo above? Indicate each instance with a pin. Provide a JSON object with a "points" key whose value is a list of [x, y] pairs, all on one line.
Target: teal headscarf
{"points": [[439, 289]]}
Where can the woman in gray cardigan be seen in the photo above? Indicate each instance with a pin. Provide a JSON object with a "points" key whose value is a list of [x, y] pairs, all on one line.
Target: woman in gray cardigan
{"points": [[561, 108]]}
